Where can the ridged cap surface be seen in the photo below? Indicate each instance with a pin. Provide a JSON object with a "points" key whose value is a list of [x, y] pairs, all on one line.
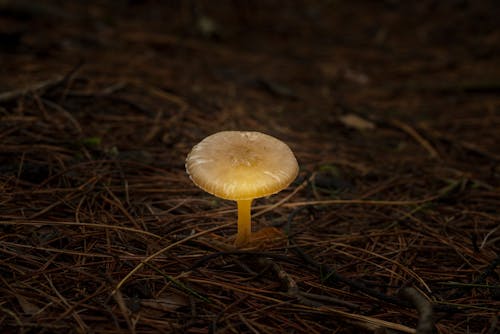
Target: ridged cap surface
{"points": [[239, 165]]}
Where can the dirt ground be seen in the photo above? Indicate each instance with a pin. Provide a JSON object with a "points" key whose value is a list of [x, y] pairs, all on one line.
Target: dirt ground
{"points": [[392, 109]]}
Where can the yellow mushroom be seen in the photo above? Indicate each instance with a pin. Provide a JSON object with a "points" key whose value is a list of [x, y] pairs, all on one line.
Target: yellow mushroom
{"points": [[241, 166]]}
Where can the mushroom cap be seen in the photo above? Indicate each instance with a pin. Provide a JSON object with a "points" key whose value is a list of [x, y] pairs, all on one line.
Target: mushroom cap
{"points": [[239, 165]]}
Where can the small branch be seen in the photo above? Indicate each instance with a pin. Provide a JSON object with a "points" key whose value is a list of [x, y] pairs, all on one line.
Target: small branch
{"points": [[493, 326], [417, 137], [490, 269], [309, 299], [333, 276], [42, 85], [290, 284], [357, 320], [118, 297], [424, 308]]}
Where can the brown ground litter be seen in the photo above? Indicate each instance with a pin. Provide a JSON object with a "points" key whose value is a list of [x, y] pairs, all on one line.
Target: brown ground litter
{"points": [[392, 109]]}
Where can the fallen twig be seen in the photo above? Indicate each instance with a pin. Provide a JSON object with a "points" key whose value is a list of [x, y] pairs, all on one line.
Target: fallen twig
{"points": [[424, 308], [418, 138], [42, 85]]}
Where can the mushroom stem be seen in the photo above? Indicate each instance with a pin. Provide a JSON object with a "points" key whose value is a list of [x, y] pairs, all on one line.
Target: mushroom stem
{"points": [[244, 222]]}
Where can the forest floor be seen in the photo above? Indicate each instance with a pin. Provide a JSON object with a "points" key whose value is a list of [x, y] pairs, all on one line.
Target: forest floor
{"points": [[392, 109]]}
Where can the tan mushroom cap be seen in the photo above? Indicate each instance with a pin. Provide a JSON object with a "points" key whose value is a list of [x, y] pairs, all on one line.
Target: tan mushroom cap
{"points": [[239, 165]]}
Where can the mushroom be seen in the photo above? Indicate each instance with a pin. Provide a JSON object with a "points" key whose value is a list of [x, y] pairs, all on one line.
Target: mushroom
{"points": [[241, 166]]}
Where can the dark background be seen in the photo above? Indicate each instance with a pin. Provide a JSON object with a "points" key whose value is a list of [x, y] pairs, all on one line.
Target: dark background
{"points": [[391, 106]]}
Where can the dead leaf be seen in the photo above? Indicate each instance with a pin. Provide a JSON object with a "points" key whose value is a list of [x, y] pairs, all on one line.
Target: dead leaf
{"points": [[277, 89], [356, 77], [168, 304], [356, 122], [28, 307]]}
